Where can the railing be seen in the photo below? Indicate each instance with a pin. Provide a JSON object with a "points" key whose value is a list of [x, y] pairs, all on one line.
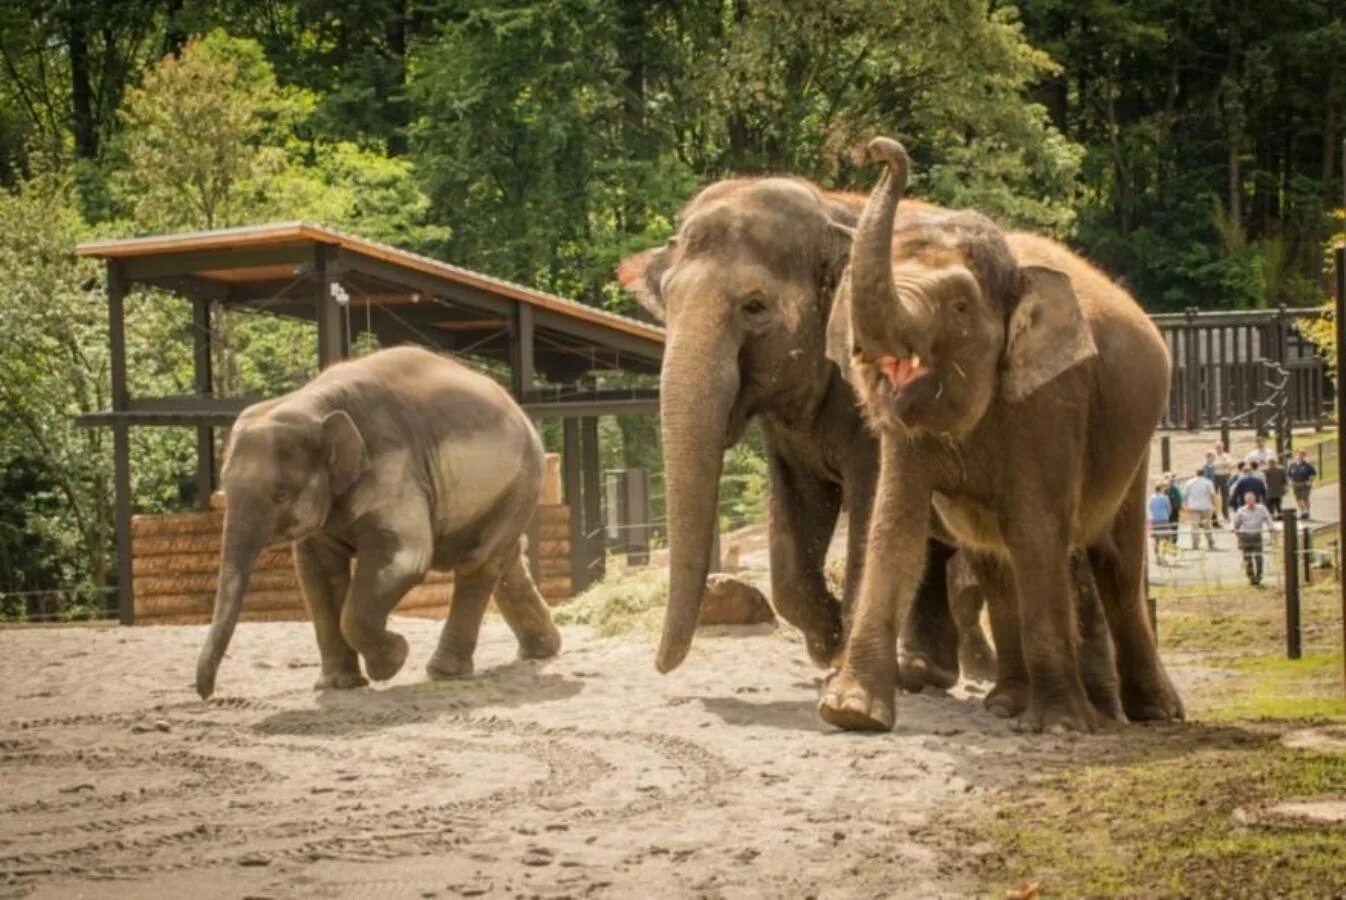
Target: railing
{"points": [[1219, 368]]}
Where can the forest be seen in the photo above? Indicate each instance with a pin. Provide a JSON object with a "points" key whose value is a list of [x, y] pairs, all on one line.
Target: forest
{"points": [[1191, 148]]}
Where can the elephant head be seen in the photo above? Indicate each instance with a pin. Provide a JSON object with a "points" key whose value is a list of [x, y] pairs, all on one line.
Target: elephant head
{"points": [[938, 320], [745, 287], [281, 474]]}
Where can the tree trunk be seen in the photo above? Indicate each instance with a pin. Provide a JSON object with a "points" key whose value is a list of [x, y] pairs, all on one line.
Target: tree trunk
{"points": [[81, 93]]}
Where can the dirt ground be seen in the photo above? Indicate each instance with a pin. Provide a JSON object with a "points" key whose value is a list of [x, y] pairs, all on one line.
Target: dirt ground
{"points": [[586, 775]]}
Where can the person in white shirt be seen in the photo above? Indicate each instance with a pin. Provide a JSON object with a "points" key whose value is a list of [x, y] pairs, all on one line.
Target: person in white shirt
{"points": [[1198, 498], [1260, 454], [1249, 521]]}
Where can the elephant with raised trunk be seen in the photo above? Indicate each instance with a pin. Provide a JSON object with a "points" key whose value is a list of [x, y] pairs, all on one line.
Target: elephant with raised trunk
{"points": [[1016, 388], [401, 461], [745, 288]]}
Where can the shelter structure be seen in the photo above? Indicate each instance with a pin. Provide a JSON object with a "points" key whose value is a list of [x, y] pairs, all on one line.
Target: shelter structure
{"points": [[560, 355]]}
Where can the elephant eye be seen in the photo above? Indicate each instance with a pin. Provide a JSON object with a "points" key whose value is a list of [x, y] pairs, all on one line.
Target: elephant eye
{"points": [[754, 306], [280, 495]]}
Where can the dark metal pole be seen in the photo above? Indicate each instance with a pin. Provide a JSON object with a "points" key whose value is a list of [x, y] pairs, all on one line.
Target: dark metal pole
{"points": [[521, 351], [1341, 417], [332, 343], [1165, 454], [1292, 637], [594, 561], [1224, 433], [1307, 544], [1193, 372], [121, 440], [573, 485], [205, 387]]}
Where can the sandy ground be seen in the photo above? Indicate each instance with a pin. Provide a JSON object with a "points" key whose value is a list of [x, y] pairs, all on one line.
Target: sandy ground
{"points": [[586, 775]]}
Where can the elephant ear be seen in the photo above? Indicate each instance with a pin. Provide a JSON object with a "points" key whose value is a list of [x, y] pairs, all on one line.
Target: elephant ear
{"points": [[1047, 334], [641, 273], [347, 457], [839, 329]]}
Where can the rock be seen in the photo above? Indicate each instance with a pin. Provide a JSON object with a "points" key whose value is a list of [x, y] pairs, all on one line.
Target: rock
{"points": [[729, 601]]}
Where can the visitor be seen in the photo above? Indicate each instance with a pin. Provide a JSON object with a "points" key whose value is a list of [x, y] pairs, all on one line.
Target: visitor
{"points": [[1275, 477], [1223, 471], [1175, 507], [1249, 481], [1160, 507], [1301, 474], [1198, 495], [1260, 454], [1249, 521]]}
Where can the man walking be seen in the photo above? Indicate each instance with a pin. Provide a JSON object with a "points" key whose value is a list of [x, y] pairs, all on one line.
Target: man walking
{"points": [[1275, 476], [1249, 521], [1250, 481], [1198, 495], [1159, 510], [1222, 468], [1301, 474], [1260, 454]]}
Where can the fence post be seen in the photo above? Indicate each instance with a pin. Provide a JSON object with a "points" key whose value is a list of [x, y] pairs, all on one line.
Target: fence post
{"points": [[1165, 455], [1308, 554], [1292, 637], [1224, 433], [1193, 367]]}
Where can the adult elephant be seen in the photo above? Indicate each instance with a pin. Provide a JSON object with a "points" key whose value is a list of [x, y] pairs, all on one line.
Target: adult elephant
{"points": [[1015, 388], [745, 288]]}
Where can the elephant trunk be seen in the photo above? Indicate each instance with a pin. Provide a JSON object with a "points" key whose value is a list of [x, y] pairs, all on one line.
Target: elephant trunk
{"points": [[876, 308], [244, 537], [698, 387]]}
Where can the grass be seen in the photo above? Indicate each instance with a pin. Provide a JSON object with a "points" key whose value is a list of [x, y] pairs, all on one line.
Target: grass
{"points": [[620, 603], [1153, 814]]}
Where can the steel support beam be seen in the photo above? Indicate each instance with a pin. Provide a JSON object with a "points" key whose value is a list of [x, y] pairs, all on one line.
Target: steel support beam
{"points": [[522, 359], [594, 564], [333, 345], [572, 486], [205, 387]]}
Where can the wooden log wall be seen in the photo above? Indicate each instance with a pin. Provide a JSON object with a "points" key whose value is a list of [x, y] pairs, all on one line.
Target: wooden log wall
{"points": [[176, 562]]}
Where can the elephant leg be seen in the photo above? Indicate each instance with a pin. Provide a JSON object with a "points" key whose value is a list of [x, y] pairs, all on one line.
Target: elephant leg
{"points": [[387, 565], [1147, 692], [976, 657], [472, 587], [928, 652], [524, 610], [1046, 602], [1098, 661], [324, 569], [861, 695], [1009, 697], [804, 513]]}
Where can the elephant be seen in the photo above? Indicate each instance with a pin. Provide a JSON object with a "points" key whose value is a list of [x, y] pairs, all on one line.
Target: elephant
{"points": [[1015, 388], [403, 460], [745, 288]]}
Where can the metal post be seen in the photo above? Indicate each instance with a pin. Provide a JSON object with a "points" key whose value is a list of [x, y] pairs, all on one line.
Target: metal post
{"points": [[594, 562], [573, 485], [1307, 544], [521, 351], [121, 440], [1340, 319], [1224, 433], [1165, 455], [205, 387], [1292, 637]]}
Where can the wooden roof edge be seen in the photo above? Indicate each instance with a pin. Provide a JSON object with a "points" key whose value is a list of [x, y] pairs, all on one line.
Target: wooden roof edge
{"points": [[251, 235]]}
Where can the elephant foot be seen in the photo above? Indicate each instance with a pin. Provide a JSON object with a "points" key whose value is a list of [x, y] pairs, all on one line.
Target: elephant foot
{"points": [[1154, 701], [849, 704], [543, 645], [1056, 711], [386, 661], [343, 680], [448, 665], [1008, 699], [825, 644], [916, 671], [1109, 706], [977, 660]]}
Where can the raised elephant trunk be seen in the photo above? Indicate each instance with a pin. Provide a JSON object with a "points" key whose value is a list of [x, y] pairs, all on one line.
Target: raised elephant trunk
{"points": [[244, 538], [876, 310], [699, 384]]}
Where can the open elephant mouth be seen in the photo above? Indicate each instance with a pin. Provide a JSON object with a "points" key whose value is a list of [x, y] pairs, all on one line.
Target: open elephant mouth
{"points": [[902, 372], [908, 383]]}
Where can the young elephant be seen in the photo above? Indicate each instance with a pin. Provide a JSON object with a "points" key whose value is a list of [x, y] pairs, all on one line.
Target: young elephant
{"points": [[1016, 388], [404, 461]]}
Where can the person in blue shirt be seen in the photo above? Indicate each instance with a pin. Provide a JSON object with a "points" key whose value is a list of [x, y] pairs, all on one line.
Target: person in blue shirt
{"points": [[1160, 509], [1301, 474], [1248, 482]]}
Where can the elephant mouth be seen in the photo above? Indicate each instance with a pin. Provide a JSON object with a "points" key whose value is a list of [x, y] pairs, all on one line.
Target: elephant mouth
{"points": [[903, 372], [910, 385]]}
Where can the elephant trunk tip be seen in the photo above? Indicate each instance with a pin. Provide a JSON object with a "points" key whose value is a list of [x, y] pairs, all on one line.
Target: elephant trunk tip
{"points": [[892, 153], [671, 654], [205, 681]]}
